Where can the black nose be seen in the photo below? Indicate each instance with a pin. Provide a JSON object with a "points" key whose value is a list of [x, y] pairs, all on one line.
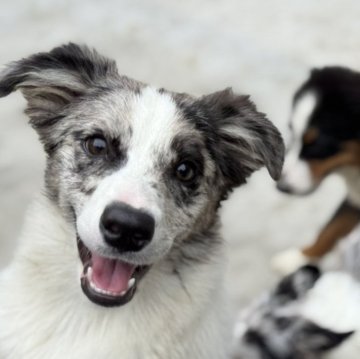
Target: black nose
{"points": [[126, 228]]}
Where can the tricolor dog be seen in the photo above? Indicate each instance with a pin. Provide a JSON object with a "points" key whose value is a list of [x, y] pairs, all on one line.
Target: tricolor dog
{"points": [[120, 256], [325, 139]]}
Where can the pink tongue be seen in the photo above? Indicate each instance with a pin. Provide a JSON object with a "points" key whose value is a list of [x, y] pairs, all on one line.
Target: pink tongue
{"points": [[111, 274]]}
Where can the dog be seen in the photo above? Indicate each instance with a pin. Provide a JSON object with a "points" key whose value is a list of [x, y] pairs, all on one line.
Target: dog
{"points": [[121, 256], [325, 133], [308, 315]]}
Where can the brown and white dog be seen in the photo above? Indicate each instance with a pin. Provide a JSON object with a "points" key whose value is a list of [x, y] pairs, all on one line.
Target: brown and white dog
{"points": [[325, 127], [121, 256]]}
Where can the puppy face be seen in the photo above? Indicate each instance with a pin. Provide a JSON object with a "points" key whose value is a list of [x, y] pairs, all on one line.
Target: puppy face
{"points": [[324, 130], [138, 171], [273, 328]]}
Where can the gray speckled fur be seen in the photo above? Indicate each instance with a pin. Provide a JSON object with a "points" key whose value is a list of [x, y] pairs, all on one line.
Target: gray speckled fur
{"points": [[73, 93], [274, 328]]}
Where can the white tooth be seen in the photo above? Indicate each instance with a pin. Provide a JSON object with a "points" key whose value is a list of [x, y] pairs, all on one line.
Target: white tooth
{"points": [[89, 272], [131, 283], [106, 292], [92, 285]]}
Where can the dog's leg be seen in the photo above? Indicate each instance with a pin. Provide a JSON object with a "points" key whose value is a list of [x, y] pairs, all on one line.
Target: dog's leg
{"points": [[342, 223]]}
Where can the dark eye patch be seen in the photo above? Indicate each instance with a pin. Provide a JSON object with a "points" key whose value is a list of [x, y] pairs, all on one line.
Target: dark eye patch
{"points": [[255, 339], [189, 151], [322, 147], [90, 164], [283, 323], [186, 151]]}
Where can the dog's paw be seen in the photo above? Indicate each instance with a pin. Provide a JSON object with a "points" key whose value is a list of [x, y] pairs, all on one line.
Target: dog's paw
{"points": [[289, 261]]}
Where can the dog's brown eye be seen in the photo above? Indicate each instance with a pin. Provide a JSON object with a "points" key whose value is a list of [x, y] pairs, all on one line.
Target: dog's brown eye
{"points": [[96, 146], [185, 171]]}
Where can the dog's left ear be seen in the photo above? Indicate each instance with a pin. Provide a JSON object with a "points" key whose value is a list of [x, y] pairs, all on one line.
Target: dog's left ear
{"points": [[243, 139]]}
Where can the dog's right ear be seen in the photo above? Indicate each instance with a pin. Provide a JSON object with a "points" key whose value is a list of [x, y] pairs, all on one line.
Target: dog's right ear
{"points": [[297, 284], [241, 138], [51, 80]]}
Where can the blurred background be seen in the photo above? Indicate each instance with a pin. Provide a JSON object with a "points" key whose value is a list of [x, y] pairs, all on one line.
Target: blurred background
{"points": [[262, 48]]}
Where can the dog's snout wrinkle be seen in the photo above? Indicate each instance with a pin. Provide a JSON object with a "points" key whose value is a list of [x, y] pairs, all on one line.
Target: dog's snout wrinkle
{"points": [[126, 228]]}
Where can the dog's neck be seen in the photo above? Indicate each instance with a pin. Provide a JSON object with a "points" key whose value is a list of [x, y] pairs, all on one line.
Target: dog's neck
{"points": [[45, 288]]}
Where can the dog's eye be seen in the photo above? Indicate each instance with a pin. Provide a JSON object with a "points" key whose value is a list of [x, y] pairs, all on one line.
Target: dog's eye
{"points": [[185, 171], [96, 146]]}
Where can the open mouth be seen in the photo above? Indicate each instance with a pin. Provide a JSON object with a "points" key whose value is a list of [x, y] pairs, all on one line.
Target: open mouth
{"points": [[107, 281]]}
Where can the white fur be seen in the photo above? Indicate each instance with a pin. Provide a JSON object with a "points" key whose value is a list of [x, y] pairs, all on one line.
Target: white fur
{"points": [[177, 315], [334, 304], [154, 121], [302, 111], [351, 176], [289, 260], [296, 173], [44, 314]]}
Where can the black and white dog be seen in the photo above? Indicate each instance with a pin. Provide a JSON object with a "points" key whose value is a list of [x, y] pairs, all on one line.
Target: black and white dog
{"points": [[308, 315], [325, 138], [121, 258]]}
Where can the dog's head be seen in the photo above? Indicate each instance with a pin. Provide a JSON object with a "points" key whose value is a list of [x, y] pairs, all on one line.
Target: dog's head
{"points": [[325, 129], [273, 328], [139, 171]]}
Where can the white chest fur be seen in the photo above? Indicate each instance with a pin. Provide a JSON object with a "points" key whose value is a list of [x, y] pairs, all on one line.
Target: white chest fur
{"points": [[43, 313]]}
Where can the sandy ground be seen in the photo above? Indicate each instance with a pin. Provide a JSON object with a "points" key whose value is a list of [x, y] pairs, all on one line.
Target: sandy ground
{"points": [[264, 48]]}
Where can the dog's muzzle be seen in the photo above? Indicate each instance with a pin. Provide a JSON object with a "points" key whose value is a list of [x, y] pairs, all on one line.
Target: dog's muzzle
{"points": [[112, 281]]}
